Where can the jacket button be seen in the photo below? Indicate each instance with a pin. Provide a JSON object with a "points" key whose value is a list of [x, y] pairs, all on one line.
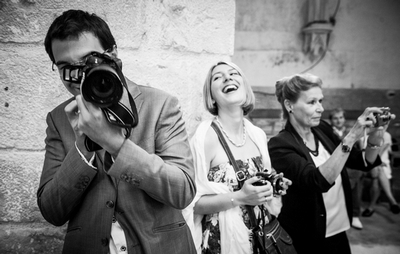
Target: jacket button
{"points": [[110, 204], [123, 248]]}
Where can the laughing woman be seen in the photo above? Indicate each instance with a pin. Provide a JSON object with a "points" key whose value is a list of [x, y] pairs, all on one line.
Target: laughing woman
{"points": [[221, 223]]}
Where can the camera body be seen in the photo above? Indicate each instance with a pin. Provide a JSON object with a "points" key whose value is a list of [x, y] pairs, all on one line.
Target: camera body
{"points": [[382, 119], [274, 179], [102, 84]]}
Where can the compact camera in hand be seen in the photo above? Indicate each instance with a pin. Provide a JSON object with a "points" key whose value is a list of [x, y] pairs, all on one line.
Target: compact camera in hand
{"points": [[382, 119], [274, 179]]}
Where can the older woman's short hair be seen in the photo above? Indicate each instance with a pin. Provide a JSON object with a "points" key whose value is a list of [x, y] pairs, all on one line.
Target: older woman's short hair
{"points": [[212, 106], [289, 88]]}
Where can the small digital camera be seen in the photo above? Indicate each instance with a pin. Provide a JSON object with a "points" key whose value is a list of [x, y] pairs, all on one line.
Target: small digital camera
{"points": [[382, 119], [274, 179]]}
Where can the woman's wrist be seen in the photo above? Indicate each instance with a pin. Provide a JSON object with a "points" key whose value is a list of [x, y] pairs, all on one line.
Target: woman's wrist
{"points": [[349, 141], [233, 202], [233, 199]]}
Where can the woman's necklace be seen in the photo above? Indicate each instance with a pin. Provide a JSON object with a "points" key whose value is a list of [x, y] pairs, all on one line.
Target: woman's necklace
{"points": [[226, 134], [315, 152]]}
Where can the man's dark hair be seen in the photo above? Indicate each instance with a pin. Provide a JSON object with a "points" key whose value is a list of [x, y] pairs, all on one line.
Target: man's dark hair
{"points": [[72, 23]]}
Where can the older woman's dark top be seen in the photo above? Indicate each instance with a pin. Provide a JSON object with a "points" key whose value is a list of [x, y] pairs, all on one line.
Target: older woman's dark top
{"points": [[303, 214]]}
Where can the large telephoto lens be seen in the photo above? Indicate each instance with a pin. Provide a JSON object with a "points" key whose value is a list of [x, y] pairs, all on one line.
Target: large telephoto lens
{"points": [[102, 86]]}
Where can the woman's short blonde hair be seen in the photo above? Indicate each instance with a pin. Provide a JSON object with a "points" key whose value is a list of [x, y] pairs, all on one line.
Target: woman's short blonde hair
{"points": [[289, 88], [212, 106]]}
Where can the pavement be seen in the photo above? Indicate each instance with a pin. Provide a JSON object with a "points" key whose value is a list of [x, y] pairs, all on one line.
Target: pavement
{"points": [[381, 231]]}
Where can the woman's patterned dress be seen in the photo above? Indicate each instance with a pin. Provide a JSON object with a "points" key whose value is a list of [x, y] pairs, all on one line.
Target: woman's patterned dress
{"points": [[225, 173]]}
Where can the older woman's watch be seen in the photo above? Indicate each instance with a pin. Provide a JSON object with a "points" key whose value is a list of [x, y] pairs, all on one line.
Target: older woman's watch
{"points": [[345, 148]]}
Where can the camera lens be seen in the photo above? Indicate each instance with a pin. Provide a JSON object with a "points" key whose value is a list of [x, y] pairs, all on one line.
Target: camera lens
{"points": [[102, 86]]}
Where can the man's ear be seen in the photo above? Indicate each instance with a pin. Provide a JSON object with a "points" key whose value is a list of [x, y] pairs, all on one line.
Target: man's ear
{"points": [[113, 51]]}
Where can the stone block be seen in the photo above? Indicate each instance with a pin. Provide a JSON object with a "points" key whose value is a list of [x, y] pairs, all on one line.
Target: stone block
{"points": [[31, 238], [19, 181]]}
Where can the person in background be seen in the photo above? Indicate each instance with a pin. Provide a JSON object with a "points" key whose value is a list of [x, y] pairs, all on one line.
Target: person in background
{"points": [[381, 176], [338, 120], [126, 197], [317, 210], [220, 220]]}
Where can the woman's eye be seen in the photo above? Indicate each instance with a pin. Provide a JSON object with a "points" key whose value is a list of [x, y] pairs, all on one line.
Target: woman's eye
{"points": [[215, 78], [234, 73]]}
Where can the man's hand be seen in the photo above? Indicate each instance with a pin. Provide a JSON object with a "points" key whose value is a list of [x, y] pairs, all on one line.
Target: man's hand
{"points": [[72, 111], [93, 123]]}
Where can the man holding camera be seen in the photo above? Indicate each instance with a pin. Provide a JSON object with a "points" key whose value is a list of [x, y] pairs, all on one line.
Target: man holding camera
{"points": [[118, 166]]}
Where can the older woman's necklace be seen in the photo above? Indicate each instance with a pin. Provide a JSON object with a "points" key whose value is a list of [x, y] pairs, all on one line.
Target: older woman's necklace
{"points": [[226, 134], [316, 151]]}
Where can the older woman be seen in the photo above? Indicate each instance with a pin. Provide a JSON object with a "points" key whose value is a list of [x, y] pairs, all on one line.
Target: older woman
{"points": [[317, 210], [221, 223]]}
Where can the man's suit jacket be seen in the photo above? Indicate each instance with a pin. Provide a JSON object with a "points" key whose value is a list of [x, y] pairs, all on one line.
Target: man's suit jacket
{"points": [[149, 183], [303, 213]]}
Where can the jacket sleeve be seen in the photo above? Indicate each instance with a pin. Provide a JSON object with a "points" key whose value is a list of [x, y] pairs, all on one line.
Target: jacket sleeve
{"points": [[286, 158], [167, 175], [65, 177]]}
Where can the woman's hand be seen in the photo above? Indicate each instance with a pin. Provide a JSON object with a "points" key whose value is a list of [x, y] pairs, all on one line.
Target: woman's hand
{"points": [[255, 195], [284, 185], [365, 124], [376, 134]]}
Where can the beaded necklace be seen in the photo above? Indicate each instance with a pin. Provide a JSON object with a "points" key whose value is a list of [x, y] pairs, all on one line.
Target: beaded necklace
{"points": [[226, 134]]}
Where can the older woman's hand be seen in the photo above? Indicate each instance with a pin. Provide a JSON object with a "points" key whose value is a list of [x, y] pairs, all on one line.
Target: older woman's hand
{"points": [[376, 134], [365, 124]]}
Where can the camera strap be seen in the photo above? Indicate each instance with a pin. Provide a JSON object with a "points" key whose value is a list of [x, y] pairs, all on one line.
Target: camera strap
{"points": [[240, 175], [121, 115], [250, 209]]}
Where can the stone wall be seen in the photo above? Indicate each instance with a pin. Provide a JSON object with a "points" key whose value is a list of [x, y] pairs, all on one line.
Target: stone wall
{"points": [[165, 44]]}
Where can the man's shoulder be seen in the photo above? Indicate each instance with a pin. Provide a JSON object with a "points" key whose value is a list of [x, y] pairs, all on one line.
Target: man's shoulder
{"points": [[148, 90], [136, 89], [61, 107]]}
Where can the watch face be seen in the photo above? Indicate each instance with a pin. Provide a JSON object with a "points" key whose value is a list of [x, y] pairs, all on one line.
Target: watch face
{"points": [[345, 148]]}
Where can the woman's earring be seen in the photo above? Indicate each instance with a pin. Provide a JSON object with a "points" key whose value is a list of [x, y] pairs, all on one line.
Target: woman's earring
{"points": [[290, 111]]}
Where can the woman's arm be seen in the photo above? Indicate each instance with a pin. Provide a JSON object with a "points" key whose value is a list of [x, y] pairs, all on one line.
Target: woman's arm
{"points": [[333, 166], [247, 195]]}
